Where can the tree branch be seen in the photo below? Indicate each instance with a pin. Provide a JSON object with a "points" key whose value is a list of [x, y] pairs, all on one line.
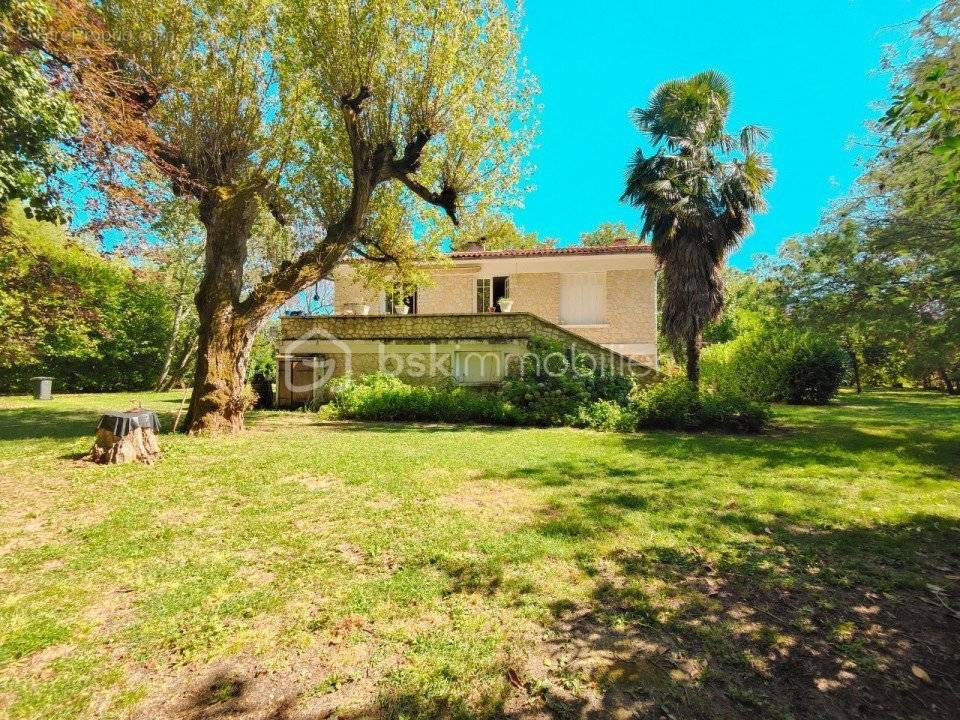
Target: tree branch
{"points": [[384, 255], [446, 199]]}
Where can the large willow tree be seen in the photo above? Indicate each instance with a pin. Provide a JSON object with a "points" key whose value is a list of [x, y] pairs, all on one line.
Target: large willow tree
{"points": [[697, 192], [334, 126]]}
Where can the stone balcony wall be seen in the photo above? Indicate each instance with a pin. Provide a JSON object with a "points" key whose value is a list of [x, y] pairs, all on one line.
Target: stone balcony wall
{"points": [[494, 327]]}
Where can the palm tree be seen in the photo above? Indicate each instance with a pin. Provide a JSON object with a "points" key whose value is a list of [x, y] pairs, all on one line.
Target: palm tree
{"points": [[697, 192]]}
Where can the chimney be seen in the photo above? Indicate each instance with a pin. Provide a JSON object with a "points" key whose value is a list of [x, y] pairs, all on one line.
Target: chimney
{"points": [[475, 245]]}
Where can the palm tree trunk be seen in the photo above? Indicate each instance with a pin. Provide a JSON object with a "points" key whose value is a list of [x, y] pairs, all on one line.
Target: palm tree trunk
{"points": [[694, 346]]}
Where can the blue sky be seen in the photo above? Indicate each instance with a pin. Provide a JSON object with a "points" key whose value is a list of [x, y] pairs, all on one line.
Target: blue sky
{"points": [[808, 71]]}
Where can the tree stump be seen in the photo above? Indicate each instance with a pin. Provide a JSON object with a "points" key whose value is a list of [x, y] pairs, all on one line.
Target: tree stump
{"points": [[125, 437]]}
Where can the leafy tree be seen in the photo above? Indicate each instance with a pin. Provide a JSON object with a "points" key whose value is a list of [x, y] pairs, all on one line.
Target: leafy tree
{"points": [[884, 274], [343, 125], [497, 232], [92, 323], [696, 202], [610, 233], [173, 249], [882, 298], [34, 117], [751, 299], [927, 103]]}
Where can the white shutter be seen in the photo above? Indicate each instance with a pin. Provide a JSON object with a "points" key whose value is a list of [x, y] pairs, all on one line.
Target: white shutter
{"points": [[583, 298]]}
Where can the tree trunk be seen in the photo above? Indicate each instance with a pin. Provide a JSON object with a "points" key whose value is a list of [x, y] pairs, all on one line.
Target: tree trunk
{"points": [[171, 345], [694, 346], [225, 336], [855, 366], [219, 395], [186, 356], [947, 382]]}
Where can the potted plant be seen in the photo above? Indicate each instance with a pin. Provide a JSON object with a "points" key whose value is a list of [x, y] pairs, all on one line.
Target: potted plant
{"points": [[506, 304]]}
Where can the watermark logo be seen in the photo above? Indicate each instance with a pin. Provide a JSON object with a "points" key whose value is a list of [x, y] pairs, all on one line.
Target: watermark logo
{"points": [[316, 357]]}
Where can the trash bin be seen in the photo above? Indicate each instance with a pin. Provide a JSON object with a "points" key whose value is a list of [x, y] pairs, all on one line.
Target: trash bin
{"points": [[42, 388]]}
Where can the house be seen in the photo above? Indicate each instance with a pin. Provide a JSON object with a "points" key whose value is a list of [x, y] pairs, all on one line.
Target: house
{"points": [[597, 301]]}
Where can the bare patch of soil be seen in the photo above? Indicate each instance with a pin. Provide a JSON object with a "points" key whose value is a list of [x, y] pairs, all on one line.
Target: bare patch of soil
{"points": [[499, 503]]}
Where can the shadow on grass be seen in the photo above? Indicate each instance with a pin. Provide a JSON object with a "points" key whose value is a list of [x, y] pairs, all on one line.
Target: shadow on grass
{"points": [[802, 624], [815, 441], [45, 422]]}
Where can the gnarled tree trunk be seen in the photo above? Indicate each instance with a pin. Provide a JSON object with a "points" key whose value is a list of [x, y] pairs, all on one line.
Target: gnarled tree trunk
{"points": [[225, 336]]}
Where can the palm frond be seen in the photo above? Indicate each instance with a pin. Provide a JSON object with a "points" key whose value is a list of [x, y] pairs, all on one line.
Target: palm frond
{"points": [[751, 136]]}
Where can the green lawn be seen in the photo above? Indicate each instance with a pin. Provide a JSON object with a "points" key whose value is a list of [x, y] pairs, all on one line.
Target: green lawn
{"points": [[308, 570]]}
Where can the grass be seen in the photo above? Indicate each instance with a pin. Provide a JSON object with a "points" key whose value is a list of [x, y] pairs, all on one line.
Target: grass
{"points": [[306, 569]]}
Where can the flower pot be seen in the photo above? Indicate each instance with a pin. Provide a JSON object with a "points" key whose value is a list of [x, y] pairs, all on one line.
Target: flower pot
{"points": [[506, 304], [364, 309], [403, 310]]}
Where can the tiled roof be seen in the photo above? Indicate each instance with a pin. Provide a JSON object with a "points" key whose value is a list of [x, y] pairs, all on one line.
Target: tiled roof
{"points": [[551, 252]]}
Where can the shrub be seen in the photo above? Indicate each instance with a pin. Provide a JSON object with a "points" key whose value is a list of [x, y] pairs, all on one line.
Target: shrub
{"points": [[93, 323], [556, 384], [675, 404], [605, 415], [385, 397], [546, 401], [776, 363], [814, 371]]}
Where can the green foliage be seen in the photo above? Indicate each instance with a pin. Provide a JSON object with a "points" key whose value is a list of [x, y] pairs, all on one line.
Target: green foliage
{"points": [[496, 232], [554, 383], [546, 400], [927, 104], [776, 363], [750, 301], [551, 391], [883, 277], [381, 396], [605, 415], [91, 323], [814, 371], [610, 233], [675, 404], [33, 117], [263, 356]]}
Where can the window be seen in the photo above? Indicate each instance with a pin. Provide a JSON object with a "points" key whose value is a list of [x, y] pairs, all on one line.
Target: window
{"points": [[489, 292], [484, 295], [501, 289], [400, 297], [583, 298]]}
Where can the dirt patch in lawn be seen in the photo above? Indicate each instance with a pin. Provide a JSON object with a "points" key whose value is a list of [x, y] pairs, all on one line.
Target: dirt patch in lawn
{"points": [[314, 483], [331, 679], [497, 502]]}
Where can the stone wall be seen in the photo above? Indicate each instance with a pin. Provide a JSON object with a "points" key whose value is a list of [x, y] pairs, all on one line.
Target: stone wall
{"points": [[499, 327]]}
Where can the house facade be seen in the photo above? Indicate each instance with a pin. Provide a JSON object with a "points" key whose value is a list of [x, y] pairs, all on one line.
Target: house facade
{"points": [[599, 301]]}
